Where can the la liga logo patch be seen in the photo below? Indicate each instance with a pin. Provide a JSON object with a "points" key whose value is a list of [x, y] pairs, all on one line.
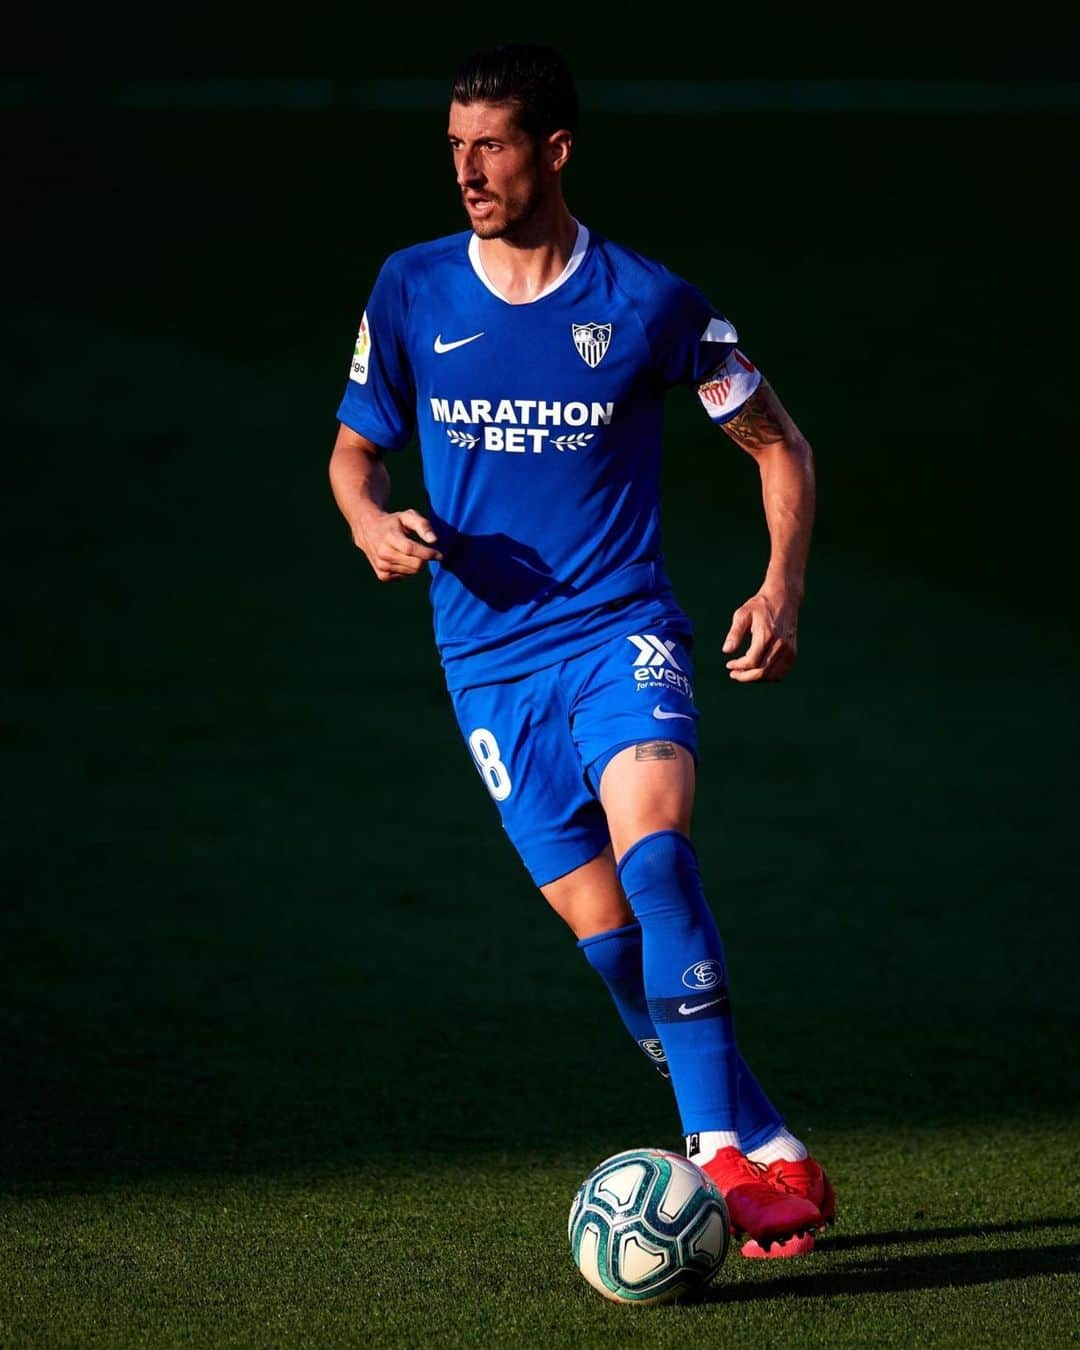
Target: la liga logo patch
{"points": [[361, 358]]}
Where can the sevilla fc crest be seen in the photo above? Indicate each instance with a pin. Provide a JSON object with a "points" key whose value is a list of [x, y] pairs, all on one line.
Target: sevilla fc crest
{"points": [[592, 341]]}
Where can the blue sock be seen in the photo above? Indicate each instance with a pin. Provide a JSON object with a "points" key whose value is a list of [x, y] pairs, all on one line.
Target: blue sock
{"points": [[616, 958], [758, 1120], [685, 978]]}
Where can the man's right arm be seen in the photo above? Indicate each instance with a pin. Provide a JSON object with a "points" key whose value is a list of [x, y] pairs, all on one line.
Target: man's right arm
{"points": [[361, 486]]}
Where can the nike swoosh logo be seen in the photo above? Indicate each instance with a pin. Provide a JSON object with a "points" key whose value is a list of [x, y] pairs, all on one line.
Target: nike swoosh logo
{"points": [[662, 716], [441, 346], [698, 1007]]}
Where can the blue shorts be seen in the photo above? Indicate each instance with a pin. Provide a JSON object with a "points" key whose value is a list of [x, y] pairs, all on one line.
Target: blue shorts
{"points": [[542, 742]]}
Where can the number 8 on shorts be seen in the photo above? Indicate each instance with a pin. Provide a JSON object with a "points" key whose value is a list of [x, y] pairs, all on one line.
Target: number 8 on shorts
{"points": [[485, 750]]}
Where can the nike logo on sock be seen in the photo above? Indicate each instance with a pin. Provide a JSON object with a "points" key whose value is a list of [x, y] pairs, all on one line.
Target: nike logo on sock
{"points": [[441, 346], [662, 714], [698, 1007]]}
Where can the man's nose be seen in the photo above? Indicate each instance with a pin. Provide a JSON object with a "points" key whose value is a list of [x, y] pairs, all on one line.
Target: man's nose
{"points": [[468, 169]]}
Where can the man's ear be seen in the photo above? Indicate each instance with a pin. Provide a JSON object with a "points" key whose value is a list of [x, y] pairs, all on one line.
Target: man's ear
{"points": [[557, 150]]}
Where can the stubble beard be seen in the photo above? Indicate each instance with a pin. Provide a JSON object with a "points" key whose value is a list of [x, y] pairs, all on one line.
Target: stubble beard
{"points": [[512, 219]]}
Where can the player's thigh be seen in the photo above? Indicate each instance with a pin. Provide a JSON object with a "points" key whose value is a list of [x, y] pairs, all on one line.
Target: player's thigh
{"points": [[589, 899], [520, 742], [635, 725], [645, 788]]}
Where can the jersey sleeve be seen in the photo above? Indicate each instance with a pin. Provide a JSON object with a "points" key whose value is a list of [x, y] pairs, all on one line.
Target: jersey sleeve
{"points": [[725, 390], [380, 396], [693, 343]]}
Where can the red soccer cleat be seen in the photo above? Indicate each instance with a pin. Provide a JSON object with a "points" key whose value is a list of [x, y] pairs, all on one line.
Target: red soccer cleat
{"points": [[768, 1214], [802, 1244], [805, 1179]]}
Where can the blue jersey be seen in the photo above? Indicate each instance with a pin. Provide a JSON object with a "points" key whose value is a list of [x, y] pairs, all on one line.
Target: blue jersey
{"points": [[540, 427]]}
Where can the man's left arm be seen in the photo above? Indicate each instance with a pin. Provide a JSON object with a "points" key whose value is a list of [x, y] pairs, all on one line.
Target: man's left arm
{"points": [[763, 428]]}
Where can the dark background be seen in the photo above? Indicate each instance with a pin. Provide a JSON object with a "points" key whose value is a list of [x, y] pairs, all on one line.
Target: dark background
{"points": [[257, 910], [781, 39]]}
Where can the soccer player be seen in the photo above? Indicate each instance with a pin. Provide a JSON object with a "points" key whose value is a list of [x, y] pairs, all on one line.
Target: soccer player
{"points": [[532, 356]]}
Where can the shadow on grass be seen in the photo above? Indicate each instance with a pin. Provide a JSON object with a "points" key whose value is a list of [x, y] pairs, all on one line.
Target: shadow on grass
{"points": [[884, 1275], [900, 1237]]}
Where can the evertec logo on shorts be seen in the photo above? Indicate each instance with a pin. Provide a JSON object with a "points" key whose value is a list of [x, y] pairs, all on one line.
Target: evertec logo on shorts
{"points": [[655, 666], [519, 425]]}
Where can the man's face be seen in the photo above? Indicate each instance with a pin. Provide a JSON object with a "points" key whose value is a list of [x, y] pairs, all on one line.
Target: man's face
{"points": [[498, 166]]}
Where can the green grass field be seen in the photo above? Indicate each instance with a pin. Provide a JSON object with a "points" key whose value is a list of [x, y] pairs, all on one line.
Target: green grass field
{"points": [[258, 1091]]}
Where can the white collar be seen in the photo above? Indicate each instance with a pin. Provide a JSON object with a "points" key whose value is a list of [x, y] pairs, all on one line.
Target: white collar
{"points": [[581, 243]]}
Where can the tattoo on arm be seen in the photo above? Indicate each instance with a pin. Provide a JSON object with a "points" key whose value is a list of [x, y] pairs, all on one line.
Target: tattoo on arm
{"points": [[756, 424], [654, 750]]}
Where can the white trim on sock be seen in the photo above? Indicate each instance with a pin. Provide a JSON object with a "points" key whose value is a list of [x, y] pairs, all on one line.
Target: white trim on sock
{"points": [[706, 1144], [781, 1145]]}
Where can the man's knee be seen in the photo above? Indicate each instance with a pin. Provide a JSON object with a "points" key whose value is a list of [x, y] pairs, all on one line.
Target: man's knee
{"points": [[589, 899], [646, 789], [659, 872]]}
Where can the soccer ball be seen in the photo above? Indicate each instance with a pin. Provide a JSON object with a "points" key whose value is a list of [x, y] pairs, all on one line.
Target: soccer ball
{"points": [[648, 1226]]}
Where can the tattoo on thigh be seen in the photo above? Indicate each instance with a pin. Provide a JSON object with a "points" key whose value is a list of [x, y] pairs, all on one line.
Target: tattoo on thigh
{"points": [[654, 750]]}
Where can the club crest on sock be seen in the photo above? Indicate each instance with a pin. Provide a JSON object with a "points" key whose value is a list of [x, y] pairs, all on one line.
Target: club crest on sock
{"points": [[705, 974]]}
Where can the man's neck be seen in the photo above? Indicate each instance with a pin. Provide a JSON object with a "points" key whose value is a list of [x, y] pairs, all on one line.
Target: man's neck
{"points": [[522, 268]]}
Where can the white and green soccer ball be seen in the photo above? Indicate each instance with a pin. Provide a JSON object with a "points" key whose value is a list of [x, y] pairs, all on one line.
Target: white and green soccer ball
{"points": [[647, 1226]]}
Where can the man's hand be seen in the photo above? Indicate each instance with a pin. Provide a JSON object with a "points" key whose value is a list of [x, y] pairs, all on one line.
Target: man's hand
{"points": [[786, 463], [773, 628], [396, 542], [387, 538]]}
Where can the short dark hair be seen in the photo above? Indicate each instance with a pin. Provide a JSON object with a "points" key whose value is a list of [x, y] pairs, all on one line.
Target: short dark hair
{"points": [[533, 77]]}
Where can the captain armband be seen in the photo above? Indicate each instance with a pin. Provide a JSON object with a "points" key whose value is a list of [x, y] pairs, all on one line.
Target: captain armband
{"points": [[726, 389]]}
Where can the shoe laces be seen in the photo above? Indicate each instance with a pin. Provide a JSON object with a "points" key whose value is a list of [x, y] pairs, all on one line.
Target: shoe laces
{"points": [[754, 1171], [758, 1171], [779, 1178]]}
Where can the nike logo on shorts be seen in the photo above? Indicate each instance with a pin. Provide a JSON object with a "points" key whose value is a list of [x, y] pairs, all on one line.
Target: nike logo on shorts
{"points": [[698, 1007], [441, 346], [661, 714]]}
